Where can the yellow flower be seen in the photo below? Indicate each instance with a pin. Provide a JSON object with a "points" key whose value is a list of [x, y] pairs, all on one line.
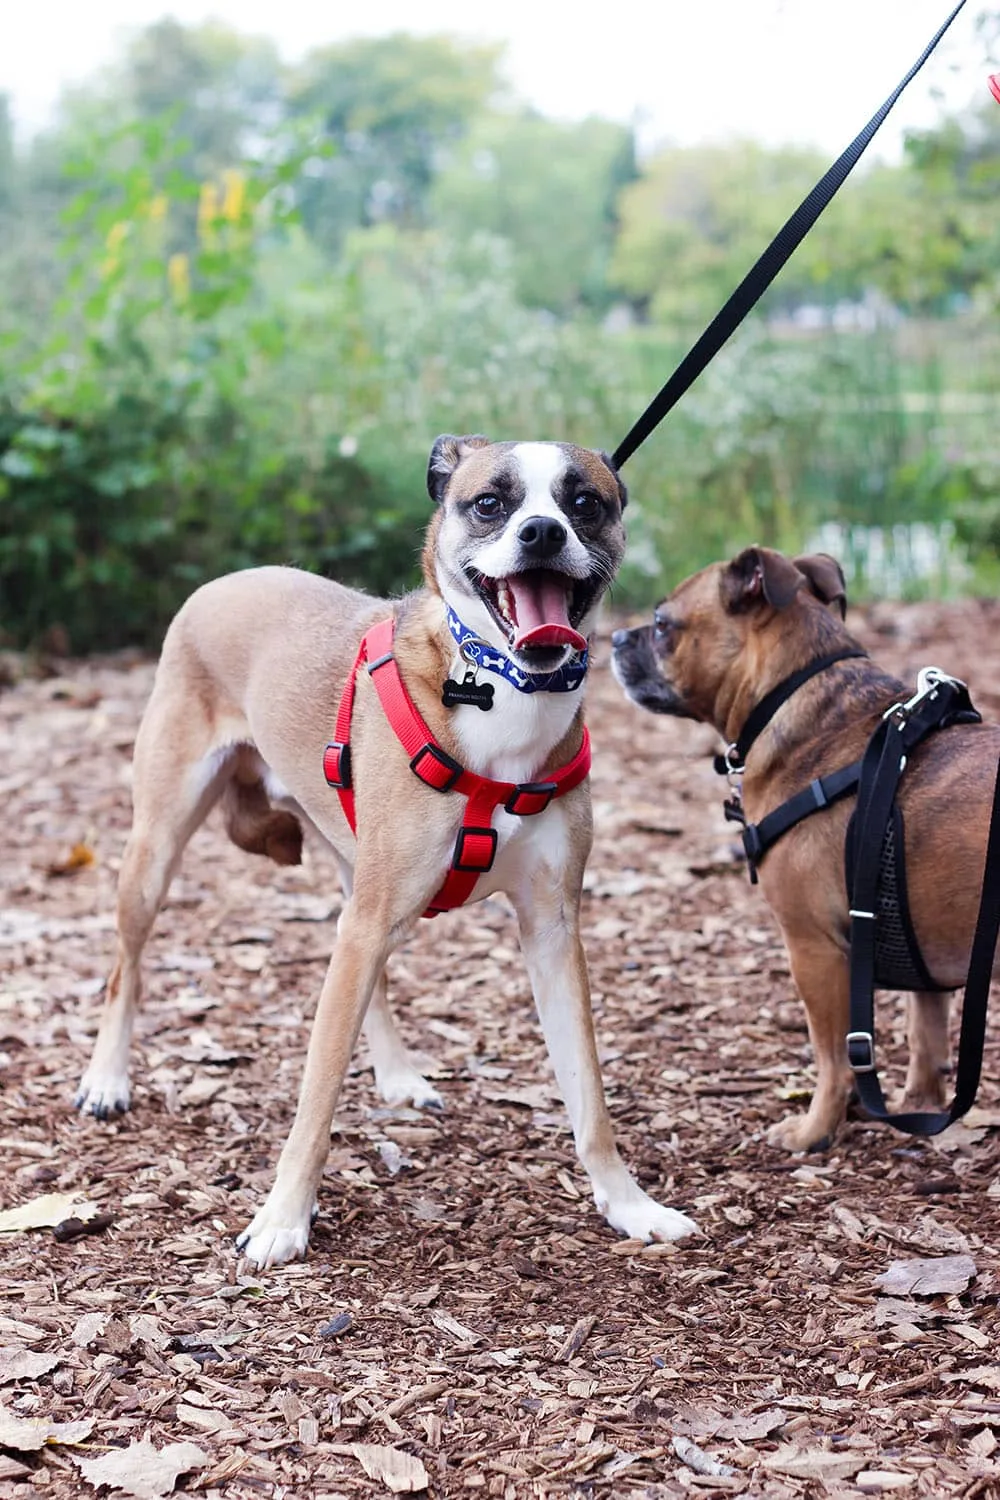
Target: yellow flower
{"points": [[116, 234], [208, 209], [179, 277], [234, 202], [158, 207]]}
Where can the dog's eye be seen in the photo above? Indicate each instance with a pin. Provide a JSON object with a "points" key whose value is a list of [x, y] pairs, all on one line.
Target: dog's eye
{"points": [[661, 627], [587, 506], [487, 507]]}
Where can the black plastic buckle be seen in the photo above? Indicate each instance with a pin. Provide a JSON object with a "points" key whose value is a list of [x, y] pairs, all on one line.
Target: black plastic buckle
{"points": [[337, 765], [536, 789], [861, 1051], [458, 858], [753, 848], [441, 759]]}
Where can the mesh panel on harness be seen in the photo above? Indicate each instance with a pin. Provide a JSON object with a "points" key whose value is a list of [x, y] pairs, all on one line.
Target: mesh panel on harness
{"points": [[899, 964]]}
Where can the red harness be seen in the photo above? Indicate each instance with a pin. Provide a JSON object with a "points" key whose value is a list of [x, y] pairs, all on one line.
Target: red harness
{"points": [[476, 844]]}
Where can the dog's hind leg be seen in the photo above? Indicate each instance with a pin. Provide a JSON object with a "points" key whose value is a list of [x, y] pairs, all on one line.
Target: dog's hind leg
{"points": [[177, 777], [929, 1064], [548, 919]]}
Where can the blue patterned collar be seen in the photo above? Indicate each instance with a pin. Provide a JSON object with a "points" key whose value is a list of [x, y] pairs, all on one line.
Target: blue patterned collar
{"points": [[565, 679]]}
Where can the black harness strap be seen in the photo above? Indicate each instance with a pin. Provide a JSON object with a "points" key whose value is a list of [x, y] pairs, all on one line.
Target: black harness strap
{"points": [[758, 837], [881, 769], [762, 273], [763, 712]]}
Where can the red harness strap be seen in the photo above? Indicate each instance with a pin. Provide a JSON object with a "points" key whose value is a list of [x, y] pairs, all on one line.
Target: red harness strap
{"points": [[476, 844]]}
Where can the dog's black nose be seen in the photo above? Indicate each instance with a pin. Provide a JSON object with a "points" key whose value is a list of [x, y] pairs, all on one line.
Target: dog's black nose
{"points": [[620, 639], [542, 536]]}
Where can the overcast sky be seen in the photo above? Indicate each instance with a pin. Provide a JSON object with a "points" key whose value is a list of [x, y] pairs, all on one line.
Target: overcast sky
{"points": [[780, 70]]}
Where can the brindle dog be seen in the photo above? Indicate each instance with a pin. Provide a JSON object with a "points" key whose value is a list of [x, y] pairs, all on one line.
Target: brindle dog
{"points": [[723, 639]]}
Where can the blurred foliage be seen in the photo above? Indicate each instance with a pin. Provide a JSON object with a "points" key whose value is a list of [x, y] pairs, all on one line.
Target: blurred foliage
{"points": [[238, 301]]}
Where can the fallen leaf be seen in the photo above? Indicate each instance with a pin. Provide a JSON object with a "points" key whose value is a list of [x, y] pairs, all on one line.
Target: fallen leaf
{"points": [[141, 1469], [89, 1328], [80, 857], [210, 1420], [893, 1310], [28, 1434], [940, 1276], [940, 1239], [814, 1463], [46, 1211], [22, 1364], [402, 1472]]}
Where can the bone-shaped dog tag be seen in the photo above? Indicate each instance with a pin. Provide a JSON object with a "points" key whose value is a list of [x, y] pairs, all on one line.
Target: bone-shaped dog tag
{"points": [[468, 691]]}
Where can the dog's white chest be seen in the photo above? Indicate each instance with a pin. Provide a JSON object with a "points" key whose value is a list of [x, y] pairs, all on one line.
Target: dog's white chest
{"points": [[514, 739], [512, 742]]}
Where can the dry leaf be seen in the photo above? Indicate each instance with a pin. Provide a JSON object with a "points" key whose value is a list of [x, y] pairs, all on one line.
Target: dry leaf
{"points": [[21, 1364], [88, 1328], [941, 1276], [44, 1212], [402, 1472], [209, 1420], [892, 1311], [141, 1469], [80, 857], [28, 1434], [814, 1463]]}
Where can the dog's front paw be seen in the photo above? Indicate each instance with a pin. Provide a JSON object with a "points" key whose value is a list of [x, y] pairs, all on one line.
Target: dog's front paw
{"points": [[272, 1237], [102, 1094], [639, 1217]]}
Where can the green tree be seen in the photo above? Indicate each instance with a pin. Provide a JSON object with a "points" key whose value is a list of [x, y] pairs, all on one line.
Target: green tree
{"points": [[698, 217], [548, 188], [389, 106]]}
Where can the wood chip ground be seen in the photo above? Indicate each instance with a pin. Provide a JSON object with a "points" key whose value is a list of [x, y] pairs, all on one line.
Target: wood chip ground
{"points": [[464, 1317]]}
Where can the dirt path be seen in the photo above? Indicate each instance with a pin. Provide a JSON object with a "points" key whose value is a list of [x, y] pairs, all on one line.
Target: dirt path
{"points": [[462, 1302]]}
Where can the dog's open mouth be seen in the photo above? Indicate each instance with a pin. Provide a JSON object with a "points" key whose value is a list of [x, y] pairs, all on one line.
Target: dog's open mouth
{"points": [[537, 610]]}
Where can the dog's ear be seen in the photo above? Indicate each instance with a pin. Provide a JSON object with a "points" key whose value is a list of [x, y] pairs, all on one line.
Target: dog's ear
{"points": [[759, 574], [622, 491], [825, 578], [446, 455]]}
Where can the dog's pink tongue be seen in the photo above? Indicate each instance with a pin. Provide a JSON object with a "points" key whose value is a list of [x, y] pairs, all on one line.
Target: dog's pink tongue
{"points": [[540, 601]]}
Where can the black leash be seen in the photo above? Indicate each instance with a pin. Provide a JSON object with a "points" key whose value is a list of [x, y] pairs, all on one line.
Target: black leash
{"points": [[759, 277]]}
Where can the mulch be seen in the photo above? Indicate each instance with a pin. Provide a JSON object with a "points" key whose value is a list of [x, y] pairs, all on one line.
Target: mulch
{"points": [[464, 1317]]}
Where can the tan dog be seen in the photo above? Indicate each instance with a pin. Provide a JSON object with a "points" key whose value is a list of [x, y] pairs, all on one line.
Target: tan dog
{"points": [[718, 644], [524, 542]]}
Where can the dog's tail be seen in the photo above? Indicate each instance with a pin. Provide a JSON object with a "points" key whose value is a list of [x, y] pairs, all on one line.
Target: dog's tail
{"points": [[254, 825]]}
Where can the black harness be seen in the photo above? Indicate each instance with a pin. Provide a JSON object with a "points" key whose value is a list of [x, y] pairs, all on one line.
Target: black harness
{"points": [[883, 945]]}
